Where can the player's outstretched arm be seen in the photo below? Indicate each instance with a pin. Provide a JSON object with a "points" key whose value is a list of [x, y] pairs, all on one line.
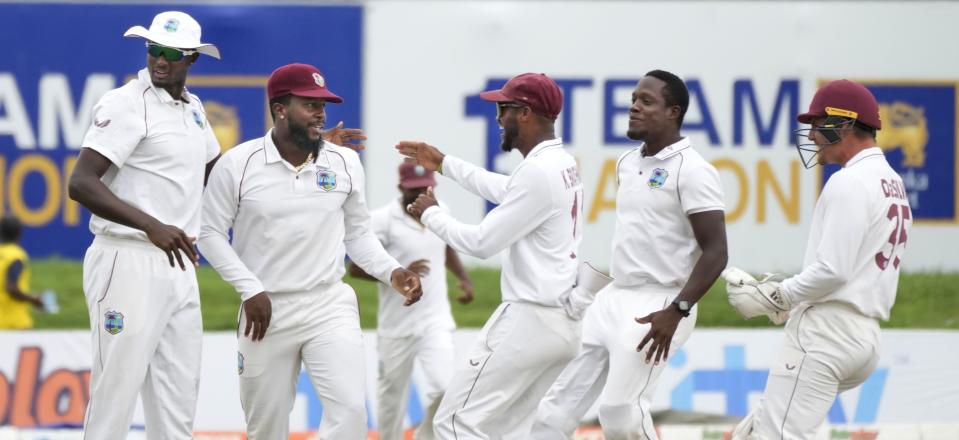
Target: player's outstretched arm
{"points": [[351, 138], [486, 184]]}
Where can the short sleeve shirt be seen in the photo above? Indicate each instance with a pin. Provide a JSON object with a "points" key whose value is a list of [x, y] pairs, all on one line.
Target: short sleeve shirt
{"points": [[159, 147], [654, 242]]}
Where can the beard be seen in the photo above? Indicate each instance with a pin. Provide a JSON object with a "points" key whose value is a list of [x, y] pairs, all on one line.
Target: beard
{"points": [[509, 136], [300, 136]]}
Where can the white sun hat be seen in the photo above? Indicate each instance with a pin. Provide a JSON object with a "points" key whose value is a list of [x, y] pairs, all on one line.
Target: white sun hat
{"points": [[174, 29]]}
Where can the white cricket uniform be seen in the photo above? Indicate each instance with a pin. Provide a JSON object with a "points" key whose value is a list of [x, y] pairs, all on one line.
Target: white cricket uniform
{"points": [[529, 338], [144, 314], [291, 231], [848, 283], [421, 333], [654, 251]]}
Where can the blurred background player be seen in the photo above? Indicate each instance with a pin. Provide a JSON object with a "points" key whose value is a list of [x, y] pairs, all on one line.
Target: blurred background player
{"points": [[423, 332], [851, 271], [529, 338], [668, 248], [297, 206], [141, 173], [15, 302]]}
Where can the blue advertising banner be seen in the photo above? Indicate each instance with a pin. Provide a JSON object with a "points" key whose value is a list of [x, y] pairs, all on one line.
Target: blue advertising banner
{"points": [[64, 57], [919, 138]]}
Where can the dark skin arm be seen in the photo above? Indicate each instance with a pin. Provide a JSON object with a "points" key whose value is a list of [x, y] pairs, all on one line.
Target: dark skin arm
{"points": [[709, 228], [86, 188], [14, 290], [454, 264], [358, 272]]}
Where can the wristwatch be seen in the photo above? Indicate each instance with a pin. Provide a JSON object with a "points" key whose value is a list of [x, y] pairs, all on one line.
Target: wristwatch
{"points": [[682, 306]]}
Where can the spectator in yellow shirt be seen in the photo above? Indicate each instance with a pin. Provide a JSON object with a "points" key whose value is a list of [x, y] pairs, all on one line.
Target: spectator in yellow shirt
{"points": [[14, 300]]}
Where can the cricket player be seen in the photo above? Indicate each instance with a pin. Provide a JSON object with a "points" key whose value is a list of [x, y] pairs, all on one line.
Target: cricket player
{"points": [[15, 297], [669, 247], [423, 332], [296, 206], [850, 273], [141, 172], [530, 337]]}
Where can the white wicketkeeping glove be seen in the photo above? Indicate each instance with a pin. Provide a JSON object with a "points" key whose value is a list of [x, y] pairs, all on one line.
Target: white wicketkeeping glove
{"points": [[588, 282], [752, 298]]}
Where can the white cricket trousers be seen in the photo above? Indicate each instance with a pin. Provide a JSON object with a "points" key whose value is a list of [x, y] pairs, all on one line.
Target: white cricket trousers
{"points": [[610, 368], [433, 353], [319, 329], [828, 348], [147, 336], [516, 356]]}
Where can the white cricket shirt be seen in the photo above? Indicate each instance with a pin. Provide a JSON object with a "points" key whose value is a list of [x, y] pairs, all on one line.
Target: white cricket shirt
{"points": [[653, 242], [407, 240], [539, 220], [159, 147], [291, 229], [857, 239]]}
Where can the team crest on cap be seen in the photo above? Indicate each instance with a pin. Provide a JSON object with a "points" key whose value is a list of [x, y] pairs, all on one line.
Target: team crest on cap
{"points": [[171, 25], [239, 363], [326, 180], [198, 118], [113, 322], [319, 79], [658, 178]]}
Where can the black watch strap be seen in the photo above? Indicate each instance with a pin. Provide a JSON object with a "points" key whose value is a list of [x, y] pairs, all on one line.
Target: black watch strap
{"points": [[680, 309]]}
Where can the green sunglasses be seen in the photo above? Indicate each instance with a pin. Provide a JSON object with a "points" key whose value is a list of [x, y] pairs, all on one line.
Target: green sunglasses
{"points": [[170, 53]]}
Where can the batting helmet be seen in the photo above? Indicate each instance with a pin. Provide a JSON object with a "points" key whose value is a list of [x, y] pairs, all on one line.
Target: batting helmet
{"points": [[846, 99]]}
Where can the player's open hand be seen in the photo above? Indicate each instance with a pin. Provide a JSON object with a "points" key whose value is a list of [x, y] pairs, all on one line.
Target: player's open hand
{"points": [[407, 283], [420, 267], [422, 202], [424, 154], [660, 335], [258, 311], [173, 240], [347, 137], [466, 285]]}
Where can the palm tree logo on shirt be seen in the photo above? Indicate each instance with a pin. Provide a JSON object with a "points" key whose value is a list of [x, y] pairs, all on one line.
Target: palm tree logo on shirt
{"points": [[326, 180], [658, 178]]}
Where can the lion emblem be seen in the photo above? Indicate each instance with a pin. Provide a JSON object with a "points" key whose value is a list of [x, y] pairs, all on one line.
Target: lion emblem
{"points": [[225, 123], [905, 127]]}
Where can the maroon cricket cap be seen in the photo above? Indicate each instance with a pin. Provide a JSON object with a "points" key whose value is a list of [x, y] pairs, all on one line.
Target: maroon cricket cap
{"points": [[415, 176], [535, 90], [844, 98], [299, 80]]}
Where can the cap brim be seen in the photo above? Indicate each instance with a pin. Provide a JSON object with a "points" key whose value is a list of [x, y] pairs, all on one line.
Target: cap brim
{"points": [[142, 32], [808, 117], [494, 96], [418, 183], [324, 94]]}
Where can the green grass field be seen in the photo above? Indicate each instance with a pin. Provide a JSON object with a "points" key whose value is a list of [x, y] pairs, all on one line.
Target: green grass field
{"points": [[927, 300]]}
